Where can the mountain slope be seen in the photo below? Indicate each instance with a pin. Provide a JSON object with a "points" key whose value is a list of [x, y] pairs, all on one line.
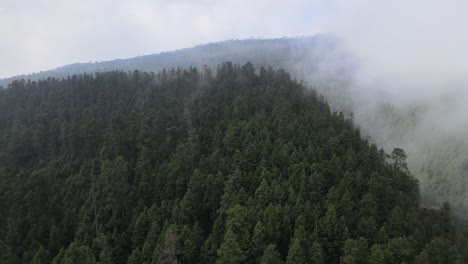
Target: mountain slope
{"points": [[194, 167], [261, 52], [331, 70]]}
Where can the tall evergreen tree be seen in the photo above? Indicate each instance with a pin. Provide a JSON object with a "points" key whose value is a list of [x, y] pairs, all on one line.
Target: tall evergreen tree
{"points": [[271, 256], [230, 251], [296, 253]]}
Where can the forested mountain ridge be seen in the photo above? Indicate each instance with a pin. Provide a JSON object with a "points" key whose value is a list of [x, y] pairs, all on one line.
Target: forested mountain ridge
{"points": [[261, 52], [190, 166], [438, 159]]}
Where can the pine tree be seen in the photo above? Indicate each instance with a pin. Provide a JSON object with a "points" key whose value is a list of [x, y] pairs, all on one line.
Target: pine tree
{"points": [[170, 251], [140, 229], [230, 251], [332, 234], [316, 254], [41, 257], [262, 195], [150, 242], [78, 254], [439, 251], [296, 253], [135, 257], [271, 255], [398, 157], [355, 251], [379, 255]]}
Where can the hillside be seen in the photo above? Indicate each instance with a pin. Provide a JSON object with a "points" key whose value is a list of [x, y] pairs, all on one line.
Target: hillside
{"points": [[261, 52], [438, 160], [437, 156], [194, 166], [321, 61]]}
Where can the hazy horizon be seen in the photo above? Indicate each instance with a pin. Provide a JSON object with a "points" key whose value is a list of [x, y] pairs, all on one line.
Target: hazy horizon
{"points": [[44, 34]]}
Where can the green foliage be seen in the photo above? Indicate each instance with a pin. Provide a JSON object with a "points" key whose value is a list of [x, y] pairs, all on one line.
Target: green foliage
{"points": [[398, 159], [296, 253], [230, 251], [6, 256], [379, 255], [316, 254], [170, 249], [440, 251], [41, 257], [355, 251], [76, 254], [183, 166], [271, 256]]}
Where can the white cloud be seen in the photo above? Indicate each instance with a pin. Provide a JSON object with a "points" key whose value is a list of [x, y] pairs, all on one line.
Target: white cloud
{"points": [[413, 46], [42, 34], [412, 56]]}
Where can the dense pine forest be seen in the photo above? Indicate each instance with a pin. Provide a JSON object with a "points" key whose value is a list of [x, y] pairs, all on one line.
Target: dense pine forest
{"points": [[436, 157], [233, 165]]}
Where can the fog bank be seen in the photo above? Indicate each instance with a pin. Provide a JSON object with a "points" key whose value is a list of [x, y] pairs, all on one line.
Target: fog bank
{"points": [[404, 75]]}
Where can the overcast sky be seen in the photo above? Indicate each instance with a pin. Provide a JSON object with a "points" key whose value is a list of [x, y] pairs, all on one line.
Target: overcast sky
{"points": [[397, 38], [42, 34]]}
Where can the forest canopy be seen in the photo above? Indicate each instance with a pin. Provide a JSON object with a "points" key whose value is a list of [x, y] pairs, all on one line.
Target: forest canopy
{"points": [[192, 166]]}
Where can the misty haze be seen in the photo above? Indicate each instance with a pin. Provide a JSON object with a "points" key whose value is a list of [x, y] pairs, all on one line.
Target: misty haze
{"points": [[234, 132]]}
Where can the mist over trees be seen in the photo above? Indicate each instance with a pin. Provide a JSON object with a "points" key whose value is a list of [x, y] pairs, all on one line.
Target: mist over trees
{"points": [[431, 128], [199, 166], [260, 52]]}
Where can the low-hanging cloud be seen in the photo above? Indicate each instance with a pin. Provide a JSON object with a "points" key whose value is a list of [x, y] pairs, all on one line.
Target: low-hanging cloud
{"points": [[409, 86], [414, 51], [412, 48]]}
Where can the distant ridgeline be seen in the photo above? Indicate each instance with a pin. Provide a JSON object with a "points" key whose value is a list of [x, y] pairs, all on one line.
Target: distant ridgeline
{"points": [[189, 166], [261, 52]]}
